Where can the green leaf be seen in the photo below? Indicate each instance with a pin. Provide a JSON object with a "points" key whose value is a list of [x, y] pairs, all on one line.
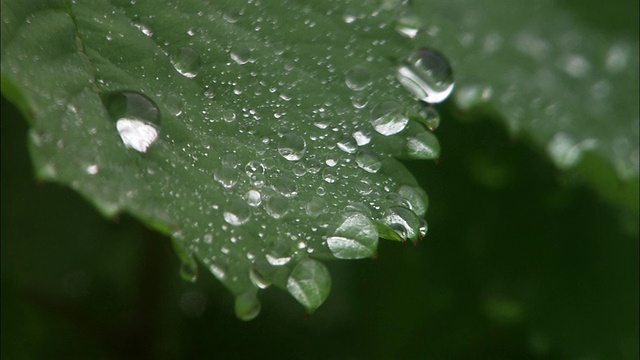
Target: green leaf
{"points": [[245, 131]]}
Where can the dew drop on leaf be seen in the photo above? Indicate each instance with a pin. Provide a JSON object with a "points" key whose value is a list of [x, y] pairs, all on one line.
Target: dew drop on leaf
{"points": [[368, 161], [277, 206], [136, 117], [240, 55], [403, 221], [429, 117], [237, 212], [247, 306], [357, 78], [388, 118], [292, 147], [226, 176], [423, 145], [427, 75], [186, 60], [409, 26]]}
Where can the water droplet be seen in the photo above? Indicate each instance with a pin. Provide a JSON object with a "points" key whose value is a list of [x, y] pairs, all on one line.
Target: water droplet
{"points": [[416, 197], [232, 15], [137, 118], [355, 237], [403, 221], [299, 169], [362, 137], [309, 283], [257, 279], [368, 161], [237, 212], [253, 198], [255, 170], [226, 176], [409, 26], [430, 117], [357, 78], [316, 207], [174, 104], [144, 24], [247, 306], [277, 206], [292, 147], [388, 118], [566, 152], [218, 271], [427, 75], [277, 260], [186, 61], [286, 187], [330, 175], [359, 100], [423, 145], [92, 169], [189, 270], [229, 115], [347, 144], [364, 187], [423, 228], [241, 55]]}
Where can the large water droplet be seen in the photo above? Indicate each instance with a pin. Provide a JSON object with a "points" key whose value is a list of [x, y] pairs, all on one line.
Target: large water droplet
{"points": [[430, 117], [237, 212], [226, 176], [427, 75], [187, 61], [292, 147], [423, 145], [277, 206], [357, 78], [347, 144], [309, 283], [362, 137], [409, 26], [241, 55], [368, 161], [388, 118], [355, 237], [247, 306], [257, 278], [416, 197], [253, 198], [137, 118], [403, 221]]}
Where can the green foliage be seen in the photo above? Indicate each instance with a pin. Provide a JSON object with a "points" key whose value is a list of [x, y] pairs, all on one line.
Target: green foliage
{"points": [[522, 259]]}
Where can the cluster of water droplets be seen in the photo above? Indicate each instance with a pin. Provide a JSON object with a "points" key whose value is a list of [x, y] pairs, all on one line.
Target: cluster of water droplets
{"points": [[331, 189]]}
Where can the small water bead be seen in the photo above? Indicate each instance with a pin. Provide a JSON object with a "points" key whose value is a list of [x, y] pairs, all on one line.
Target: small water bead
{"points": [[364, 187], [229, 115], [357, 78], [427, 75], [299, 169], [186, 60], [144, 24], [286, 187], [423, 145], [347, 144], [430, 117], [409, 26], [316, 207], [277, 260], [255, 167], [226, 176], [208, 239], [292, 147], [416, 197], [137, 118], [423, 228], [218, 270], [241, 55], [330, 175], [359, 100], [277, 206], [403, 221], [247, 306], [388, 118], [174, 104], [92, 169], [257, 278], [321, 191], [331, 162], [232, 15], [355, 237], [309, 283], [368, 161], [362, 137], [237, 212], [253, 198], [230, 160]]}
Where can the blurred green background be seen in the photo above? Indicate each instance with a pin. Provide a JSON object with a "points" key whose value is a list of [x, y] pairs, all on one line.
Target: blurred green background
{"points": [[522, 261]]}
